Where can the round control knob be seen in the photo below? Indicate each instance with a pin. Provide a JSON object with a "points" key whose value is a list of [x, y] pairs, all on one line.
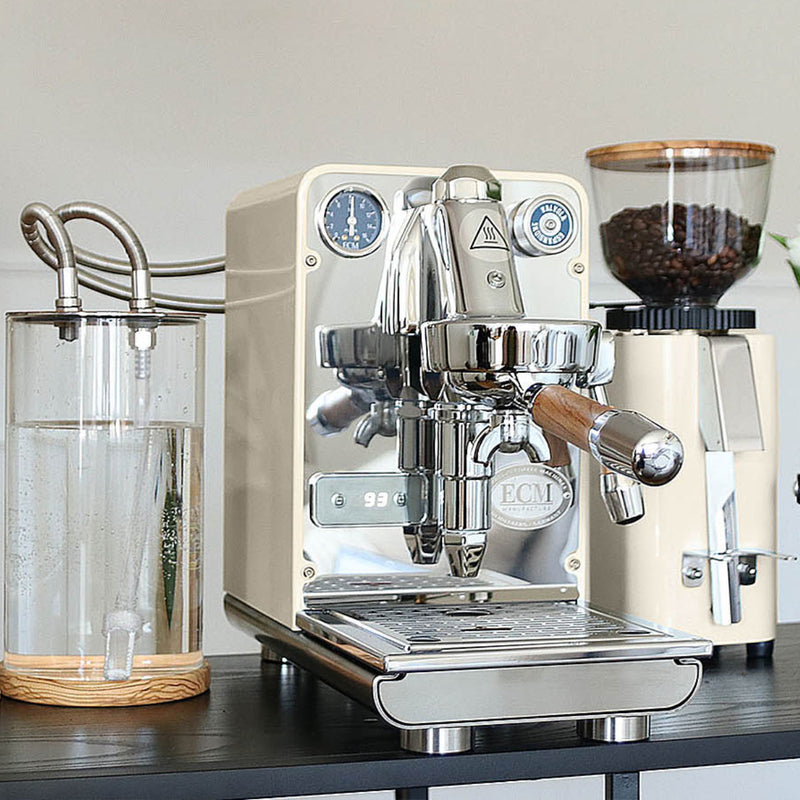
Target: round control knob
{"points": [[543, 226]]}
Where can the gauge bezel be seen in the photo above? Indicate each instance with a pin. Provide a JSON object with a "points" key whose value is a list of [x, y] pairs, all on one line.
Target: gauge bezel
{"points": [[325, 236], [521, 221]]}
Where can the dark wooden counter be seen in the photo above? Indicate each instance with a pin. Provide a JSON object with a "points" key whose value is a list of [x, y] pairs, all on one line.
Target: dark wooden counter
{"points": [[267, 730]]}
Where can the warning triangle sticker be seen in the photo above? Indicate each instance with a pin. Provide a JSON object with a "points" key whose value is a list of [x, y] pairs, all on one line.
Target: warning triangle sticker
{"points": [[488, 237]]}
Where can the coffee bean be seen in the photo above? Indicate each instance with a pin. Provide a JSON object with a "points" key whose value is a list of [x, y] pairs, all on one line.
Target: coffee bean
{"points": [[688, 255]]}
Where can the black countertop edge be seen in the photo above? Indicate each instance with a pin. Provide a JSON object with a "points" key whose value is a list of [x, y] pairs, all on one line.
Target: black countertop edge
{"points": [[471, 768]]}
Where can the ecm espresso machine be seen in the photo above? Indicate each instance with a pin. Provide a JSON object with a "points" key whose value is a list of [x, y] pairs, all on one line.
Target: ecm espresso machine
{"points": [[682, 221], [430, 563]]}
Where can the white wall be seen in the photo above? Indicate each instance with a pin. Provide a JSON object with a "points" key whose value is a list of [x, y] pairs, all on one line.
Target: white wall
{"points": [[165, 110]]}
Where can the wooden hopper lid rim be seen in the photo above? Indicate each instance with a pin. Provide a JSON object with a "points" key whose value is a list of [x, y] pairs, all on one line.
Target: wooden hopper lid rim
{"points": [[610, 155]]}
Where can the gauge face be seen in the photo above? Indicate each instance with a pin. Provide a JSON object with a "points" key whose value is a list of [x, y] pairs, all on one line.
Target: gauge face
{"points": [[352, 221]]}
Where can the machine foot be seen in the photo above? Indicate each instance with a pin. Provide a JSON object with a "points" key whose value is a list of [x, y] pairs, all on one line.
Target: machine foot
{"points": [[417, 793], [615, 729], [760, 649], [437, 741], [268, 654]]}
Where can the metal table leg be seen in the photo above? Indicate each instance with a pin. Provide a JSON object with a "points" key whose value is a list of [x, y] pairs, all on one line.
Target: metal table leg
{"points": [[622, 786], [417, 793]]}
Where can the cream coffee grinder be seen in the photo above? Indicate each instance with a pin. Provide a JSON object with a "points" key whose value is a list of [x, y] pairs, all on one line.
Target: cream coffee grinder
{"points": [[681, 222]]}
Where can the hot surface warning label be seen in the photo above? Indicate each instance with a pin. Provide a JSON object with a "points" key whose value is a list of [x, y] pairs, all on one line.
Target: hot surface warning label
{"points": [[488, 236]]}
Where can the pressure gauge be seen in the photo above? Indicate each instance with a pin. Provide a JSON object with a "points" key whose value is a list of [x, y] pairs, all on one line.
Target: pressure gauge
{"points": [[352, 220], [543, 226]]}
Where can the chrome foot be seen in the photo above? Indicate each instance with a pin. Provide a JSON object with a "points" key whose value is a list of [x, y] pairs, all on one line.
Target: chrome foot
{"points": [[615, 729], [437, 741]]}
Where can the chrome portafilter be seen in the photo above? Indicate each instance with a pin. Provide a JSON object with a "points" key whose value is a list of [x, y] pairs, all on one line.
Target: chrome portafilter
{"points": [[477, 354]]}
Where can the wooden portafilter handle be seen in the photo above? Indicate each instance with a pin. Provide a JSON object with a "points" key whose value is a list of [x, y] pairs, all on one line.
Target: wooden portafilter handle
{"points": [[622, 441]]}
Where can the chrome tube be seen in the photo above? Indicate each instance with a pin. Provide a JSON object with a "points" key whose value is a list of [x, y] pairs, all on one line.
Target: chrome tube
{"points": [[174, 269], [62, 255], [141, 298], [57, 249], [175, 302]]}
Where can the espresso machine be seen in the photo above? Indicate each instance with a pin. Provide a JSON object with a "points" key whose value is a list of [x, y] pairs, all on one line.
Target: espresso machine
{"points": [[406, 469], [681, 222]]}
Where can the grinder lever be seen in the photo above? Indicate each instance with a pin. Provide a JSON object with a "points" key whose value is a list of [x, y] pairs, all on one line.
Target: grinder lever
{"points": [[623, 441]]}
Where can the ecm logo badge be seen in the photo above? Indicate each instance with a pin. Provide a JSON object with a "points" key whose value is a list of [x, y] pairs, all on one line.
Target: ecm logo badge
{"points": [[530, 496]]}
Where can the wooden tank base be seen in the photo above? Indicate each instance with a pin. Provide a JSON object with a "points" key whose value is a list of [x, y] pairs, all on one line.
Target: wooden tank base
{"points": [[133, 692]]}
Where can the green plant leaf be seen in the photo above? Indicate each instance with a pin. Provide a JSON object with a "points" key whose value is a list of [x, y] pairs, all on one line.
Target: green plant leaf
{"points": [[781, 240], [795, 271]]}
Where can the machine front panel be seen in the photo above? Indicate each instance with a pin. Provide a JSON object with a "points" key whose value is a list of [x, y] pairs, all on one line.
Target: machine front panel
{"points": [[537, 519]]}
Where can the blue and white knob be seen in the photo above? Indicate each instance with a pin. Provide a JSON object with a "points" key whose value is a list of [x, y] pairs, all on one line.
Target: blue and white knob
{"points": [[543, 226]]}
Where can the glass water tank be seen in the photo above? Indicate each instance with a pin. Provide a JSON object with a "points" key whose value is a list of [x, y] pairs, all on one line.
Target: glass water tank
{"points": [[104, 466]]}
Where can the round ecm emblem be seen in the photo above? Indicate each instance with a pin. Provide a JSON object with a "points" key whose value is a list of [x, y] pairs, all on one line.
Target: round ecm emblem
{"points": [[529, 496]]}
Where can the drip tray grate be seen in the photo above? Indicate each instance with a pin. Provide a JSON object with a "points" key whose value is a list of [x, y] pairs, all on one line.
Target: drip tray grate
{"points": [[331, 587], [416, 628]]}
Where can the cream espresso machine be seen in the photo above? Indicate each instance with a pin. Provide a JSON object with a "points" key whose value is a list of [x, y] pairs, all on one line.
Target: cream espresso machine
{"points": [[406, 508], [682, 221]]}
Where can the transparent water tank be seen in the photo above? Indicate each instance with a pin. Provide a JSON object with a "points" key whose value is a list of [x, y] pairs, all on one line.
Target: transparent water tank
{"points": [[681, 221], [104, 463]]}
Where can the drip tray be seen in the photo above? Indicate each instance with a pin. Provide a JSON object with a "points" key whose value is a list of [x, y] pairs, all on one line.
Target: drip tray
{"points": [[408, 636]]}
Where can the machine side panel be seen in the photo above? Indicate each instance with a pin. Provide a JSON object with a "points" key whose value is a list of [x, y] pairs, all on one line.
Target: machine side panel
{"points": [[260, 407], [637, 568], [757, 492]]}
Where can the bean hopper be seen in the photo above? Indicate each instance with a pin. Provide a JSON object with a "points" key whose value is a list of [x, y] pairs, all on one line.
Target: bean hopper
{"points": [[104, 459], [407, 447], [681, 222]]}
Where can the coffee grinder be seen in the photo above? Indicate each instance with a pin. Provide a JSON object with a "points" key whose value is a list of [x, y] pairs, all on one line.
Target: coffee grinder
{"points": [[681, 222]]}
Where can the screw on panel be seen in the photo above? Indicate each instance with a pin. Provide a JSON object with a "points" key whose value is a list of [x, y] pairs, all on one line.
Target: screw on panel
{"points": [[578, 268], [574, 563], [496, 279], [308, 572], [693, 573], [311, 260], [338, 500]]}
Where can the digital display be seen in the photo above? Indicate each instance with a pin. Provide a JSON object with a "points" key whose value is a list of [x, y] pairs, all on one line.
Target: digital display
{"points": [[350, 499], [376, 499]]}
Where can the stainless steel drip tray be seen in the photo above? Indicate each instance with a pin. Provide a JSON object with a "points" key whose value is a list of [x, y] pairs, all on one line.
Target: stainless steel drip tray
{"points": [[407, 637]]}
